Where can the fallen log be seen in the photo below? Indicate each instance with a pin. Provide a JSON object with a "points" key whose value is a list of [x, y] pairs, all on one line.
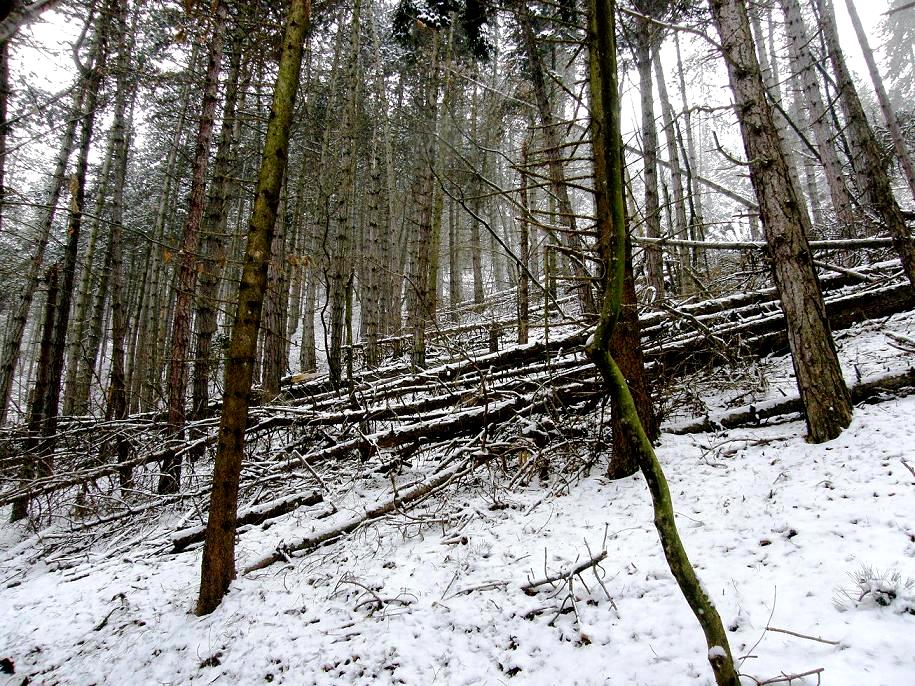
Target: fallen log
{"points": [[749, 415], [253, 516], [332, 533]]}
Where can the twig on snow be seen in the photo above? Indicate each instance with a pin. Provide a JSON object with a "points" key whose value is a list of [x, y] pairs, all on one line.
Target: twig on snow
{"points": [[809, 638]]}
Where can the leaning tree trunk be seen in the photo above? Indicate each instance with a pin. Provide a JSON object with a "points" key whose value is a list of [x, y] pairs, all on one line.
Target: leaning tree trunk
{"points": [[889, 116], [611, 222], [866, 157], [218, 564], [186, 281], [827, 403]]}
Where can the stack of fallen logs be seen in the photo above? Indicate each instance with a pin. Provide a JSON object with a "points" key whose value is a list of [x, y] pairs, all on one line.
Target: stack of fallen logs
{"points": [[475, 406]]}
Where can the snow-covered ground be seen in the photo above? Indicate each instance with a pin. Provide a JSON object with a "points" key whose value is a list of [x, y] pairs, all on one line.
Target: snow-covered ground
{"points": [[778, 529]]}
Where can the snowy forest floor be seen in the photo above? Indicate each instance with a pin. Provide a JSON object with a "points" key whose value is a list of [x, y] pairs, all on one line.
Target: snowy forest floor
{"points": [[814, 539]]}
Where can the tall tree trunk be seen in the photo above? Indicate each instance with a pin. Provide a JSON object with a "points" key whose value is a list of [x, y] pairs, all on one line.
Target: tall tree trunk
{"points": [[611, 222], [554, 158], [13, 341], [826, 399], [889, 116], [126, 90], [803, 65], [218, 565], [188, 259], [213, 229], [4, 124], [274, 362], [654, 257], [524, 235], [691, 160], [74, 224], [36, 450], [681, 223], [76, 400], [866, 158], [145, 370]]}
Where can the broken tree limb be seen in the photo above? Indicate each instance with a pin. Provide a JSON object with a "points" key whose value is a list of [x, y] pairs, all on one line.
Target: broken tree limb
{"points": [[564, 576], [400, 499]]}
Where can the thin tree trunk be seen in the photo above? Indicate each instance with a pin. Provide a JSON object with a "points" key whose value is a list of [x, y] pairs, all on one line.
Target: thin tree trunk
{"points": [[654, 257], [188, 259], [889, 116], [13, 342], [218, 565], [35, 452], [874, 181], [117, 393], [74, 225], [554, 160], [803, 65], [610, 205], [524, 234], [681, 223], [274, 364], [213, 230], [816, 365]]}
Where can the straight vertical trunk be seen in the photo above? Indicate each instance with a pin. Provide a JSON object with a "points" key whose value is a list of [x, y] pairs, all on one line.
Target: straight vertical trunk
{"points": [[804, 67], [74, 225], [553, 153], [681, 223], [524, 235], [654, 257], [188, 258], [213, 230], [35, 449], [117, 393]]}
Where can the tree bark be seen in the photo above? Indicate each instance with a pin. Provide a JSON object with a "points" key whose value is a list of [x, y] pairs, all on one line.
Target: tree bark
{"points": [[188, 259], [611, 219], [654, 256], [554, 159], [213, 229], [889, 116], [94, 83], [803, 66], [786, 225], [218, 565], [866, 159]]}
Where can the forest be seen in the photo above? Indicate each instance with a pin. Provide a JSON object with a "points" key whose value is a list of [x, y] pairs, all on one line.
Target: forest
{"points": [[455, 341]]}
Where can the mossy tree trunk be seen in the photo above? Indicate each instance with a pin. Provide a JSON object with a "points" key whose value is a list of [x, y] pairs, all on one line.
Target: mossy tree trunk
{"points": [[611, 222]]}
